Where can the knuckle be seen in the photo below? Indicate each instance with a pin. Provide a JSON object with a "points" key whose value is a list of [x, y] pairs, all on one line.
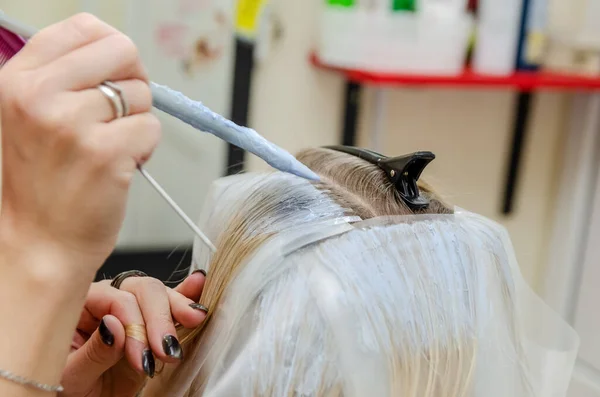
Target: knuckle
{"points": [[152, 124], [94, 354], [87, 24], [127, 300], [149, 128], [125, 48], [152, 284], [165, 318], [103, 283], [84, 19], [145, 94], [155, 288]]}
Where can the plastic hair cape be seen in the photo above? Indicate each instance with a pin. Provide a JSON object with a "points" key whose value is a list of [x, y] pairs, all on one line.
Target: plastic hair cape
{"points": [[420, 305]]}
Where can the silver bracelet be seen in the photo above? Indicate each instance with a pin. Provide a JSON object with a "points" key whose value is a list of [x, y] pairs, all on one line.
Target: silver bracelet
{"points": [[31, 383]]}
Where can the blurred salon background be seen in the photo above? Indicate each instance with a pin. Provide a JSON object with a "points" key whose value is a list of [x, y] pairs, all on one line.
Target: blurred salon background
{"points": [[503, 92]]}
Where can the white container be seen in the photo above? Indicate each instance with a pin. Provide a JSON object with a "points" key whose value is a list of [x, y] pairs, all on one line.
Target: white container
{"points": [[394, 42], [497, 36], [442, 6]]}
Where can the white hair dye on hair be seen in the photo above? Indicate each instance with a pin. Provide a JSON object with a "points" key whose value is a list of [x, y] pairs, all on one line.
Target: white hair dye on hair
{"points": [[299, 203], [419, 305]]}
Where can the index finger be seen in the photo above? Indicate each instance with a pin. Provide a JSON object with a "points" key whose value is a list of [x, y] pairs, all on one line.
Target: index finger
{"points": [[62, 38], [192, 286]]}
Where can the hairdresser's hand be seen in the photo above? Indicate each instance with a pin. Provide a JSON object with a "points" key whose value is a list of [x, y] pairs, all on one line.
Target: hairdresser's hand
{"points": [[106, 363], [67, 163]]}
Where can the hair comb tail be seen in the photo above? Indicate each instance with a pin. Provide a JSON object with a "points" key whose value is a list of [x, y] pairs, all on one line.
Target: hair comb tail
{"points": [[403, 171]]}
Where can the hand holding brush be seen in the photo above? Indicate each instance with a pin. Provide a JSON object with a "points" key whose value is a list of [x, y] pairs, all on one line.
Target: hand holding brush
{"points": [[12, 37], [68, 159], [12, 40]]}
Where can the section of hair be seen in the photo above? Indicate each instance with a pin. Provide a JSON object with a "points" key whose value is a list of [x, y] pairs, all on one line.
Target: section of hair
{"points": [[258, 207], [363, 186], [416, 309]]}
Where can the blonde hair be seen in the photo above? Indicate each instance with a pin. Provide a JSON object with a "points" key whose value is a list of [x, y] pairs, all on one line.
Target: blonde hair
{"points": [[356, 185], [359, 187], [349, 187], [362, 186]]}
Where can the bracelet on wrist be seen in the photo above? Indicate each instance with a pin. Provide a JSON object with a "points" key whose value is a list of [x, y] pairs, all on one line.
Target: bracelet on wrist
{"points": [[29, 383]]}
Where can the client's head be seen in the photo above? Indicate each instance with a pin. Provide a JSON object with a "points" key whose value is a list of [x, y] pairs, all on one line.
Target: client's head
{"points": [[342, 289]]}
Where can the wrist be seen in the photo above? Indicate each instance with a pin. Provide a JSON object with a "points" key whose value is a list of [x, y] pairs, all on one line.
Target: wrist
{"points": [[42, 260], [45, 292]]}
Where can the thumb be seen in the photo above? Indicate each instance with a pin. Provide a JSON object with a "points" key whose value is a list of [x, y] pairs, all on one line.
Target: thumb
{"points": [[101, 352]]}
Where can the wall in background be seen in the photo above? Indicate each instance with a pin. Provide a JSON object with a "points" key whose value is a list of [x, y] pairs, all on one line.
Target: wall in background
{"points": [[186, 161], [470, 132], [187, 45], [297, 106]]}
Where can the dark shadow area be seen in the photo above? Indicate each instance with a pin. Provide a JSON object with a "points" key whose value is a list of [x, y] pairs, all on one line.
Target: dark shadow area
{"points": [[169, 266]]}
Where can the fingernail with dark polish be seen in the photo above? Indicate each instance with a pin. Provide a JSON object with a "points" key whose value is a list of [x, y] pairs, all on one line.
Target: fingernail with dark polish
{"points": [[200, 271], [172, 347], [148, 363], [197, 306], [107, 337]]}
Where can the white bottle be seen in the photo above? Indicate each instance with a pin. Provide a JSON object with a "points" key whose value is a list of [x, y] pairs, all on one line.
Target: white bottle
{"points": [[497, 36]]}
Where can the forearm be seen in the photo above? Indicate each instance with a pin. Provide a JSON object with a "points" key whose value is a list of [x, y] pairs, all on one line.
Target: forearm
{"points": [[39, 309]]}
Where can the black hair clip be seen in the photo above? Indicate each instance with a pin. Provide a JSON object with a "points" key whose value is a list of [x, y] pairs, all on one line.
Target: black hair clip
{"points": [[403, 171]]}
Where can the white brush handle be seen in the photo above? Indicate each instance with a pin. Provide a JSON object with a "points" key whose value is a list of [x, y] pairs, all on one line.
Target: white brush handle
{"points": [[177, 209], [203, 119]]}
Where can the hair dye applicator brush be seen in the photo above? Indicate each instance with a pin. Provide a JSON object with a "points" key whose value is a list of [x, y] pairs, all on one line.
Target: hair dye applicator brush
{"points": [[13, 35], [202, 118], [11, 43]]}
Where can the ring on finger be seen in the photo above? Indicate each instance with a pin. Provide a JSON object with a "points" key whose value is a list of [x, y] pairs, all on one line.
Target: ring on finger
{"points": [[137, 332], [115, 87], [117, 281], [115, 95]]}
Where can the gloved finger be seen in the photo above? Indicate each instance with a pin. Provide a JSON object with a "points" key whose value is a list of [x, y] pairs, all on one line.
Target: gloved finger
{"points": [[101, 352]]}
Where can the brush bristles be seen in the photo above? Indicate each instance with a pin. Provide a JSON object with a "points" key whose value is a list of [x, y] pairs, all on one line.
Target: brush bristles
{"points": [[6, 53], [10, 45]]}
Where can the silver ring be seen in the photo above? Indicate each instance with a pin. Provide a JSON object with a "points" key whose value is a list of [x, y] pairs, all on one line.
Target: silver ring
{"points": [[114, 98], [119, 91], [117, 281]]}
